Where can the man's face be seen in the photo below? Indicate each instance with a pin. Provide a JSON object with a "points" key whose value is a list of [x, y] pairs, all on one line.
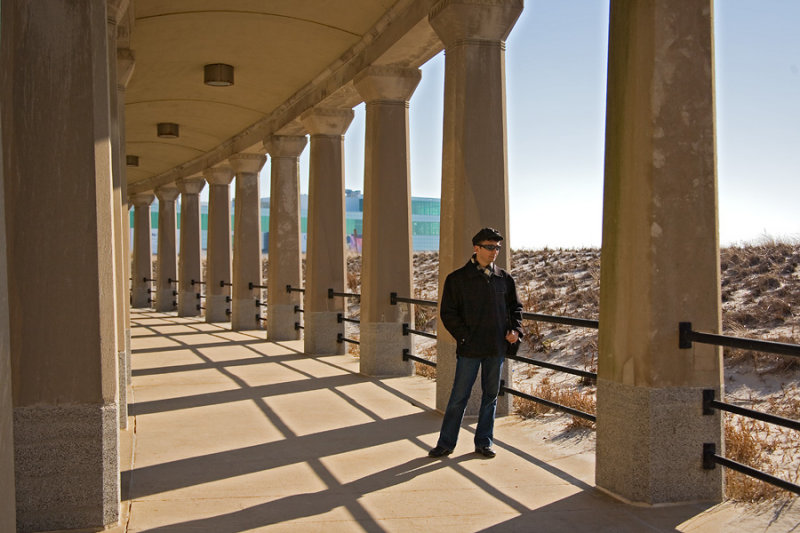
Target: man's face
{"points": [[484, 255]]}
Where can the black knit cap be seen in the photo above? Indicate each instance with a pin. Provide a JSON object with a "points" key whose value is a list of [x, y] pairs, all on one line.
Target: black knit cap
{"points": [[487, 234]]}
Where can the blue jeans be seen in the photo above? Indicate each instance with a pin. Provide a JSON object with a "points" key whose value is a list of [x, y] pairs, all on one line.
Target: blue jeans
{"points": [[466, 373]]}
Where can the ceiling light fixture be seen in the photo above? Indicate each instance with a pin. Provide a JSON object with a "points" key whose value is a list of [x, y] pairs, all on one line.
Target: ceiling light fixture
{"points": [[168, 130], [218, 75], [132, 160]]}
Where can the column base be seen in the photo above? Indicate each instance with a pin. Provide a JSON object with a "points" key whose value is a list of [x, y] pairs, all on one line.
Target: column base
{"points": [[280, 323], [319, 335], [217, 308], [382, 345], [141, 298], [650, 445], [445, 375], [243, 314], [66, 467], [187, 304], [165, 301]]}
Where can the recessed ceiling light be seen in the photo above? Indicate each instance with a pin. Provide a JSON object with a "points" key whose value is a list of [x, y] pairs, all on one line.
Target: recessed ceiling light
{"points": [[132, 160], [168, 130], [218, 75]]}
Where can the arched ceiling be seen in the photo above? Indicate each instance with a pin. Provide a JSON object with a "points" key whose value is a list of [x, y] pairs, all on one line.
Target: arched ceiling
{"points": [[280, 50]]}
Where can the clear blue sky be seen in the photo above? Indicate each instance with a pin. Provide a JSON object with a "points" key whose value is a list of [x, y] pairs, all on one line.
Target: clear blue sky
{"points": [[556, 60]]}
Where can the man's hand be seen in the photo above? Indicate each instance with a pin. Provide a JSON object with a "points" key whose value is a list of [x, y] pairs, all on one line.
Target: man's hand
{"points": [[512, 336]]}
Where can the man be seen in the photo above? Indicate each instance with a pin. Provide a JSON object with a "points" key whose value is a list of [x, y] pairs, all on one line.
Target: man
{"points": [[480, 308]]}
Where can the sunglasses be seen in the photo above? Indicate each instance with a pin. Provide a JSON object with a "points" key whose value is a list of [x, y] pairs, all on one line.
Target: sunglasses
{"points": [[490, 247]]}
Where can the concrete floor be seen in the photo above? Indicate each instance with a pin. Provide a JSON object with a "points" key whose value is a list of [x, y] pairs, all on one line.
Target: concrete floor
{"points": [[231, 433]]}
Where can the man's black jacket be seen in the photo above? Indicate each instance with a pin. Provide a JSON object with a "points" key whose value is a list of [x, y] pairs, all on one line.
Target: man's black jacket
{"points": [[479, 310]]}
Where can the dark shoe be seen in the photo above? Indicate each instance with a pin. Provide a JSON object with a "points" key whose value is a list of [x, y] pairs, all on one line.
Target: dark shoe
{"points": [[439, 452], [485, 451]]}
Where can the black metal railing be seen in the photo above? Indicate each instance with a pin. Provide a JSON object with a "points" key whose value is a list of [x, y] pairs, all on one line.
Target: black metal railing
{"points": [[686, 337], [171, 281], [297, 309], [566, 320], [584, 374], [289, 288], [223, 283], [340, 338], [146, 279], [252, 286], [710, 459], [552, 366], [332, 294], [394, 299], [196, 282], [407, 330], [548, 403], [710, 403], [340, 318], [408, 355]]}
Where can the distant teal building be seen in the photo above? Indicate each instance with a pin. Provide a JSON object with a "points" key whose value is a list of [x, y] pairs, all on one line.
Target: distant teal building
{"points": [[424, 221]]}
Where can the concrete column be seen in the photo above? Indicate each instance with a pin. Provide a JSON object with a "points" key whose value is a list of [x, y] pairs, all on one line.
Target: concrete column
{"points": [[325, 261], [190, 260], [247, 241], [64, 360], [474, 160], [125, 64], [142, 254], [218, 249], [7, 505], [660, 256], [167, 251], [387, 253], [285, 264], [121, 294]]}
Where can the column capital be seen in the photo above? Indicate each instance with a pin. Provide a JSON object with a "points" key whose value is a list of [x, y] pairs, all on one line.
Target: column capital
{"points": [[246, 163], [116, 9], [387, 83], [481, 20], [141, 199], [218, 175], [327, 120], [285, 145], [125, 63], [167, 193], [191, 185]]}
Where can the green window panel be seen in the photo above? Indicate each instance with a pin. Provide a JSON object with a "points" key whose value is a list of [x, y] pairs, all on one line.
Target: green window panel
{"points": [[425, 228]]}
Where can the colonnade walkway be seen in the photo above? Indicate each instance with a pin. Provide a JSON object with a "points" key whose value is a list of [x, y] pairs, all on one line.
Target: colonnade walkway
{"points": [[229, 433]]}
